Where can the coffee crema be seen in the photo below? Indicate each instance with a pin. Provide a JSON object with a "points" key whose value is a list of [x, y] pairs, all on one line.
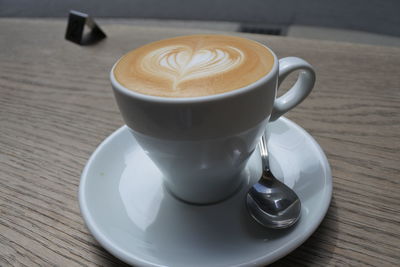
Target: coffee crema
{"points": [[195, 65]]}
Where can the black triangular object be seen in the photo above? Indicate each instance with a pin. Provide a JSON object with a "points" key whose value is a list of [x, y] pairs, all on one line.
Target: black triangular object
{"points": [[76, 26]]}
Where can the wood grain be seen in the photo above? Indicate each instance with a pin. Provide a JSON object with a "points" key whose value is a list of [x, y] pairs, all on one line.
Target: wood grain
{"points": [[56, 106]]}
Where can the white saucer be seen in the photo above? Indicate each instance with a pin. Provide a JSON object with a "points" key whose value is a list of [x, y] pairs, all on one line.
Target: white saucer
{"points": [[127, 209]]}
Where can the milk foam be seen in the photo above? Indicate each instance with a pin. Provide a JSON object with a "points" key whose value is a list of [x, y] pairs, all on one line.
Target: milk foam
{"points": [[194, 65]]}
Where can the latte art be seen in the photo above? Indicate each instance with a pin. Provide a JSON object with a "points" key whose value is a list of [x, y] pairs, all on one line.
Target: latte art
{"points": [[195, 65], [181, 63]]}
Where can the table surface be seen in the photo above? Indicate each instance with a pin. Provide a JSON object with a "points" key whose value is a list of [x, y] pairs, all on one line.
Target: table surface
{"points": [[56, 106]]}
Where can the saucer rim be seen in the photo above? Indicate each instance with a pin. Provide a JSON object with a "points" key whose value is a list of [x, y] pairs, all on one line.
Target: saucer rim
{"points": [[278, 253]]}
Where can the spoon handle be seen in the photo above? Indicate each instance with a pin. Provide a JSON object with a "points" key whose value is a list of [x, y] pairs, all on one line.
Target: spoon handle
{"points": [[264, 152]]}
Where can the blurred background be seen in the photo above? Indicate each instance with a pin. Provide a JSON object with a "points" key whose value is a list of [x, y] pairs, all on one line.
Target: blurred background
{"points": [[361, 21]]}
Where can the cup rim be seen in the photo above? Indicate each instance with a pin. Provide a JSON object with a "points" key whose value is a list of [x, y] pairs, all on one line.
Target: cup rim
{"points": [[197, 99]]}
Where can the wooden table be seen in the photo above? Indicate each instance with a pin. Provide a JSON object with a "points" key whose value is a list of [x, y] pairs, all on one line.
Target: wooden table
{"points": [[56, 106]]}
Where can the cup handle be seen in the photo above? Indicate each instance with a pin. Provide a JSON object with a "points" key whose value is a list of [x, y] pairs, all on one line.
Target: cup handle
{"points": [[300, 90]]}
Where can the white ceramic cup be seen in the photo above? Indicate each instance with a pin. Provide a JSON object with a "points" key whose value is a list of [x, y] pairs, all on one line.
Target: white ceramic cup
{"points": [[201, 144]]}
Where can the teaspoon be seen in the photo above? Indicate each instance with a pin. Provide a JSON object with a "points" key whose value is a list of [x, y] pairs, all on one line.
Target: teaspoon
{"points": [[270, 202]]}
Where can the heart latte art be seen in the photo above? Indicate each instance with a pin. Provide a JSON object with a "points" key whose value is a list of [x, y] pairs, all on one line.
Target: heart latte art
{"points": [[195, 65], [181, 63]]}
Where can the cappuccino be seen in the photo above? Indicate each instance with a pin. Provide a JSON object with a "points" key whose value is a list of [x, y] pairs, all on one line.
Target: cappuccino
{"points": [[195, 65]]}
